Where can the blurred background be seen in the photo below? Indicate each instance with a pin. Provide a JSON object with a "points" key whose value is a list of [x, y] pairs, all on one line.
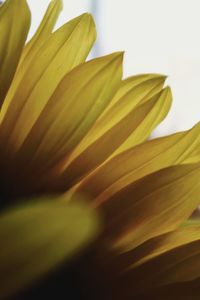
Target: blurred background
{"points": [[157, 36]]}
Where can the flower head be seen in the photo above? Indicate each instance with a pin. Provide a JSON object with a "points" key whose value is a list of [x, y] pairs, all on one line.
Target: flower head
{"points": [[74, 140]]}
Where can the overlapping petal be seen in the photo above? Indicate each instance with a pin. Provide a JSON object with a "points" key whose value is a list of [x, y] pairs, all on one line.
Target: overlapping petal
{"points": [[135, 123], [136, 214], [132, 91], [187, 233], [140, 272], [56, 131], [39, 75], [173, 257], [151, 156], [66, 124]]}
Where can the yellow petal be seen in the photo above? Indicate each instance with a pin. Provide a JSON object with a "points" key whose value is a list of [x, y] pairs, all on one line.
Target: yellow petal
{"points": [[143, 268], [38, 78], [179, 148], [14, 26], [44, 30], [78, 101], [173, 258], [162, 244], [154, 117], [130, 94], [134, 90], [37, 237], [137, 122], [139, 88], [153, 205]]}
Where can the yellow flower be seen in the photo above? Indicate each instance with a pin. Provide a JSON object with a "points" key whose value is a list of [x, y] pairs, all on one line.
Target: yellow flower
{"points": [[75, 130]]}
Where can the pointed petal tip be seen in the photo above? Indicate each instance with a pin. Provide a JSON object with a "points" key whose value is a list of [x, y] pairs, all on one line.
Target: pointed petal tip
{"points": [[158, 75], [88, 18], [115, 57], [23, 6], [168, 90], [119, 55], [167, 94], [163, 76], [58, 4]]}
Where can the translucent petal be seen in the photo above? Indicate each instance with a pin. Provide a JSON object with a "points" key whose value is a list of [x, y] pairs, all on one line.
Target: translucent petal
{"points": [[179, 148], [138, 123], [38, 78], [84, 92]]}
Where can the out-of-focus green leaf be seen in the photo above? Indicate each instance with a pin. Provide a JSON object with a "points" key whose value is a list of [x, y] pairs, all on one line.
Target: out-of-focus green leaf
{"points": [[38, 236]]}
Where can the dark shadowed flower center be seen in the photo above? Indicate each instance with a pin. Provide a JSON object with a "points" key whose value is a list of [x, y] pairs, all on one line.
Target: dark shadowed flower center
{"points": [[65, 284]]}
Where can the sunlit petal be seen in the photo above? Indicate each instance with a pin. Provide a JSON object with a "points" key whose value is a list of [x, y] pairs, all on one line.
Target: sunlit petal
{"points": [[179, 148], [13, 34], [39, 76], [137, 123]]}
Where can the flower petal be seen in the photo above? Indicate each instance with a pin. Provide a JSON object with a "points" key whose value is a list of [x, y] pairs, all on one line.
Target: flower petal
{"points": [[37, 237], [172, 258], [14, 26], [153, 118], [137, 121], [137, 272], [186, 234], [133, 91], [179, 148], [136, 89], [38, 77], [57, 132], [45, 29], [153, 205]]}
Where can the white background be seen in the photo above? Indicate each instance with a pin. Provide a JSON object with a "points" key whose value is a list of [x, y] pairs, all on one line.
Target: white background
{"points": [[160, 36]]}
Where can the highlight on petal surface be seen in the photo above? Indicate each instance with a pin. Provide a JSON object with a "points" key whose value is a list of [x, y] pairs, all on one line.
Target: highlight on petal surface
{"points": [[40, 235], [13, 34]]}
